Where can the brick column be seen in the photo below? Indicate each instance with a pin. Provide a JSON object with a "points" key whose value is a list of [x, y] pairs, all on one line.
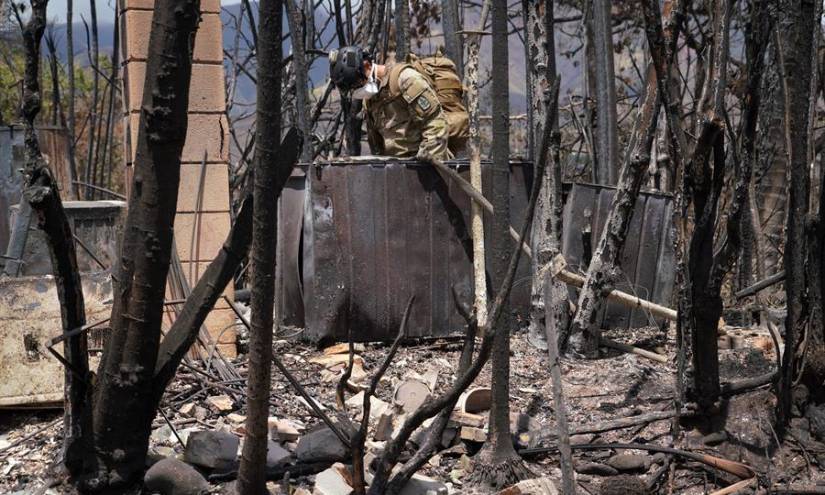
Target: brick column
{"points": [[205, 156]]}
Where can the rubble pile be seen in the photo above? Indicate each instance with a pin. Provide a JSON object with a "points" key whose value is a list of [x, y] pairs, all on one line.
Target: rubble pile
{"points": [[197, 450]]}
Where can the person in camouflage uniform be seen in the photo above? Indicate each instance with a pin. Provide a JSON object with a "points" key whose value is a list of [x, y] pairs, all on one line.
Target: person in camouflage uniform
{"points": [[404, 116]]}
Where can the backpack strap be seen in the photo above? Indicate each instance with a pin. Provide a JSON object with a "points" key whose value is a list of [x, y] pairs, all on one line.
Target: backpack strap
{"points": [[395, 74]]}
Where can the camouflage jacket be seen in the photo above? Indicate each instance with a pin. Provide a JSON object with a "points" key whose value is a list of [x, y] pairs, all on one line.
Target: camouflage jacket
{"points": [[407, 121]]}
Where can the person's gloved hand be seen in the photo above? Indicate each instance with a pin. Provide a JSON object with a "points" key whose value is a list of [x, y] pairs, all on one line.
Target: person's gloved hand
{"points": [[424, 156]]}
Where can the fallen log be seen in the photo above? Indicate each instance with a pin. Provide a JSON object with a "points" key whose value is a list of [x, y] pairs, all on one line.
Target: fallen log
{"points": [[762, 284], [613, 424], [558, 269], [633, 350]]}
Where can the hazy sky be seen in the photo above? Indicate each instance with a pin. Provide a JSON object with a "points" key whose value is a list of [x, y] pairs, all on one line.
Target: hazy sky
{"points": [[105, 9]]}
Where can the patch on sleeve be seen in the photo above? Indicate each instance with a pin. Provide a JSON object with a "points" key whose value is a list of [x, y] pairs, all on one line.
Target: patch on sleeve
{"points": [[423, 103]]}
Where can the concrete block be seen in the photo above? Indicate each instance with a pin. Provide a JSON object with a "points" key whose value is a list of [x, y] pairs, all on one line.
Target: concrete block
{"points": [[206, 91], [208, 40], [204, 132], [213, 228], [221, 325], [213, 185]]}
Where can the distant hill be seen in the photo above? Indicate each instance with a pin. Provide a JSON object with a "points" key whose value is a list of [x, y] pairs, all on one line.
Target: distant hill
{"points": [[245, 91]]}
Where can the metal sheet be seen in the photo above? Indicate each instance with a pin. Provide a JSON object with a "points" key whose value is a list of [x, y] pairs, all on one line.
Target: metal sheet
{"points": [[378, 231], [98, 225], [647, 258], [30, 317], [53, 143]]}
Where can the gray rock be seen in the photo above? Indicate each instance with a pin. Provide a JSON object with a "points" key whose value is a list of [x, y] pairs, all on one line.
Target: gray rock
{"points": [[629, 462], [320, 446], [799, 399], [212, 449], [422, 485], [173, 477], [157, 454], [595, 468], [816, 420], [276, 455]]}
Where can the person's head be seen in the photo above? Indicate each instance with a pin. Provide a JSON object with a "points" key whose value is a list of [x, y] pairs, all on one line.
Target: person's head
{"points": [[350, 69]]}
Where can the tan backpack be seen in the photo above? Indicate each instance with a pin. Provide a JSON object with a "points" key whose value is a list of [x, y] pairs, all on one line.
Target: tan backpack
{"points": [[443, 77]]}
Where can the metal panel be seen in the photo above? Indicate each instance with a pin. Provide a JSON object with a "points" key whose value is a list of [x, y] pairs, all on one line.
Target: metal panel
{"points": [[378, 231], [11, 181], [98, 225], [53, 143], [290, 223], [30, 317], [647, 258]]}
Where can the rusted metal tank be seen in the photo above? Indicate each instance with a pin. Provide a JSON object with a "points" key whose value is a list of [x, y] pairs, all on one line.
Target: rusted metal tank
{"points": [[357, 238], [370, 234]]}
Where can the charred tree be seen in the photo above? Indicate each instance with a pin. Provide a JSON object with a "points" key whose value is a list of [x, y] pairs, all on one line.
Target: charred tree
{"points": [[795, 31], [252, 472], [606, 135], [601, 274], [124, 386], [402, 29], [94, 58], [498, 465], [549, 296], [704, 181], [451, 25], [41, 192], [70, 120], [546, 236], [300, 68], [474, 145]]}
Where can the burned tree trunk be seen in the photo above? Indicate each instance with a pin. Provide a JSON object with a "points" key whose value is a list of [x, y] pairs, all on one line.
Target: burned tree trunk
{"points": [[702, 305], [584, 331], [474, 144], [451, 25], [300, 68], [252, 472], [795, 28], [124, 387], [70, 120], [402, 29], [498, 465], [41, 192], [546, 237], [606, 136], [91, 163], [552, 293]]}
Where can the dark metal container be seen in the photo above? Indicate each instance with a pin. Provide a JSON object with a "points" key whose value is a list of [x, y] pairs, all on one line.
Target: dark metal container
{"points": [[357, 238]]}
